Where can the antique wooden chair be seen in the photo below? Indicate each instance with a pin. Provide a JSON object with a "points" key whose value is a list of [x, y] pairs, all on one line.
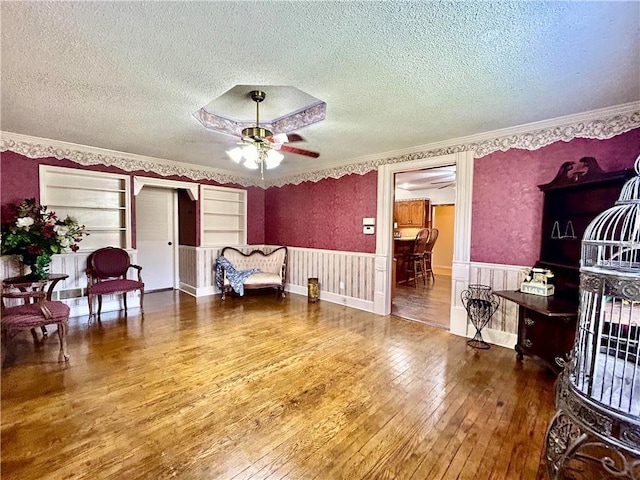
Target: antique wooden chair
{"points": [[107, 274], [36, 311]]}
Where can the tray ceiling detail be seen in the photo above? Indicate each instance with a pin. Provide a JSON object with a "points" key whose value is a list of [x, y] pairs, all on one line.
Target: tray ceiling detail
{"points": [[284, 110]]}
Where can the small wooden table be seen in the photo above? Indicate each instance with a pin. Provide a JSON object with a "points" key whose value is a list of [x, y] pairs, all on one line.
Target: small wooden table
{"points": [[23, 283], [26, 282], [546, 327]]}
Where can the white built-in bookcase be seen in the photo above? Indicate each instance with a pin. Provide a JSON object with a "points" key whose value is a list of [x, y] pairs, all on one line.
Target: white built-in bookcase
{"points": [[223, 216], [101, 201]]}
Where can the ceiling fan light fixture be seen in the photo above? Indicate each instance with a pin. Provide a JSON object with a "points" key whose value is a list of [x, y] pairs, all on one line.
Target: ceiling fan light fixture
{"points": [[257, 134], [251, 164], [273, 159], [260, 147], [235, 154], [250, 153], [280, 138]]}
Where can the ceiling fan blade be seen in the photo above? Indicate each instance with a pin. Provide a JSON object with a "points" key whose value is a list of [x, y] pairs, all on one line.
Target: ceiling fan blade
{"points": [[294, 137], [285, 138], [299, 151]]}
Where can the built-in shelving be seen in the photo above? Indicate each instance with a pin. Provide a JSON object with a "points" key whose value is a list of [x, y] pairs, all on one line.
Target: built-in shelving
{"points": [[100, 201], [223, 216]]}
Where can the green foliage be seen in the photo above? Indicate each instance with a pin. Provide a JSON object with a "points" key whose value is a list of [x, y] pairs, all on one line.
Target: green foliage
{"points": [[32, 230]]}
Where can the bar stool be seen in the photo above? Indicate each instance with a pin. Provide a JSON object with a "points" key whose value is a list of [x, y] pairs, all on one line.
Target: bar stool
{"points": [[414, 261]]}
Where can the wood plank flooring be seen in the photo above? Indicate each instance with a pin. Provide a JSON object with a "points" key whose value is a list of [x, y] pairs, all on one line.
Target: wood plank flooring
{"points": [[256, 388], [428, 303]]}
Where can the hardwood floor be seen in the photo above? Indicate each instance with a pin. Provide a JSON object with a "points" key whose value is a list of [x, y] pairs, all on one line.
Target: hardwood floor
{"points": [[430, 303], [257, 388]]}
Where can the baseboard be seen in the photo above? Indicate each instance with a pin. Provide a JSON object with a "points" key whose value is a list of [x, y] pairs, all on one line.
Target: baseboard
{"points": [[440, 270], [110, 306], [458, 321], [495, 337], [189, 289], [352, 302]]}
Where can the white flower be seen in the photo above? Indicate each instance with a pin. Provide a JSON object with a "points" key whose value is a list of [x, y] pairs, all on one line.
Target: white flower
{"points": [[24, 222], [61, 230], [65, 242]]}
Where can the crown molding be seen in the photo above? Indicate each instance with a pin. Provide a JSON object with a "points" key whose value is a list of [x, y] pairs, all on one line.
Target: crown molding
{"points": [[35, 147], [597, 124]]}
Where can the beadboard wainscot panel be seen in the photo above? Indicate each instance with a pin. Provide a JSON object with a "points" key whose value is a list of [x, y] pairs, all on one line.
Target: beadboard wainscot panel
{"points": [[188, 274], [73, 290], [354, 269], [503, 328]]}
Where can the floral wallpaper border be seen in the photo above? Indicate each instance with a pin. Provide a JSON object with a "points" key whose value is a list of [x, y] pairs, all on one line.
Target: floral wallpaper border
{"points": [[597, 128]]}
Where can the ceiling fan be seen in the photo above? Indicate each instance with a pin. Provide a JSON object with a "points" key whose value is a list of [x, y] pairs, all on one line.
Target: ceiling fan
{"points": [[260, 148], [445, 183]]}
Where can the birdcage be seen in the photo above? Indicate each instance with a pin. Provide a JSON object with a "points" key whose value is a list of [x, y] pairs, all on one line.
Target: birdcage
{"points": [[596, 430]]}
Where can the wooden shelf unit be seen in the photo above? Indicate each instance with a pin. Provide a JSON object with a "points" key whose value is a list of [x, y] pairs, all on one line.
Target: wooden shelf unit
{"points": [[223, 216], [578, 193]]}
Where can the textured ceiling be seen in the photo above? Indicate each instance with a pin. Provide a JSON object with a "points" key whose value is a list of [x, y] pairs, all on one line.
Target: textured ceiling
{"points": [[128, 76]]}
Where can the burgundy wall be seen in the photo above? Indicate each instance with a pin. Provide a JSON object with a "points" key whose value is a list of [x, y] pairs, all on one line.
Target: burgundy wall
{"points": [[19, 179], [255, 215], [187, 219], [507, 204], [327, 214]]}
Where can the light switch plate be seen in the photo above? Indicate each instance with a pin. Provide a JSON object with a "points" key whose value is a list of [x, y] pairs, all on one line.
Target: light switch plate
{"points": [[368, 221], [368, 230]]}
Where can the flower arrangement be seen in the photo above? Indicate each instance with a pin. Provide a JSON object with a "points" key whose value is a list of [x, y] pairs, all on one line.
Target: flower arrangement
{"points": [[36, 234]]}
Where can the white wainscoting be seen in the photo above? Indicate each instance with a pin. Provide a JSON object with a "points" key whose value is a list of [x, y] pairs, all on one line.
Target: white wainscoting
{"points": [[503, 327], [188, 274], [73, 290], [355, 270]]}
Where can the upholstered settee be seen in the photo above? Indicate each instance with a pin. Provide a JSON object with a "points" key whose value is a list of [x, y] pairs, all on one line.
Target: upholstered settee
{"points": [[272, 269]]}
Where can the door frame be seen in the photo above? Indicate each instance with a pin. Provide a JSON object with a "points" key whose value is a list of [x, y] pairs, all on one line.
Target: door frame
{"points": [[462, 232], [191, 188]]}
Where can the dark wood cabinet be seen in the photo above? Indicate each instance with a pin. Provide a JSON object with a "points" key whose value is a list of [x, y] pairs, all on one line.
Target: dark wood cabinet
{"points": [[413, 213], [578, 193], [402, 214], [546, 327]]}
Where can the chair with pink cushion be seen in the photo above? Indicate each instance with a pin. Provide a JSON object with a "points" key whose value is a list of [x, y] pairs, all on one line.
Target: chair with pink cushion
{"points": [[35, 311], [107, 270]]}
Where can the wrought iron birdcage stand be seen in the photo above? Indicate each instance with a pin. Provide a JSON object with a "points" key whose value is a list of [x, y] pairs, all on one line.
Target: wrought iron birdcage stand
{"points": [[595, 433]]}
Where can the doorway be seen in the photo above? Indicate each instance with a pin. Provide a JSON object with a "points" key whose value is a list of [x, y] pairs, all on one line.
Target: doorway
{"points": [[156, 233], [463, 160], [427, 298]]}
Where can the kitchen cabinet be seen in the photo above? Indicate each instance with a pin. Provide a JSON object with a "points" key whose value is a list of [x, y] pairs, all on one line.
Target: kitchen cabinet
{"points": [[413, 213]]}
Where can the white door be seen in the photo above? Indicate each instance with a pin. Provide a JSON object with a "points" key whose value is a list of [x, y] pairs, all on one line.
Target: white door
{"points": [[155, 237]]}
